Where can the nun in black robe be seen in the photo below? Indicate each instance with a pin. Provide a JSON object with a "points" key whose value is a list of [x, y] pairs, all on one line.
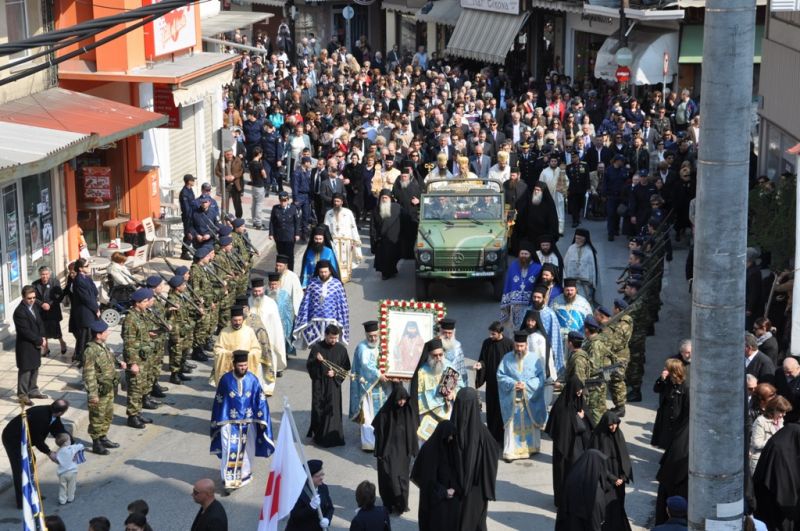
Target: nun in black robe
{"points": [[570, 432], [479, 456], [534, 221], [395, 444], [673, 474], [608, 438], [585, 493], [436, 471], [776, 481], [492, 353]]}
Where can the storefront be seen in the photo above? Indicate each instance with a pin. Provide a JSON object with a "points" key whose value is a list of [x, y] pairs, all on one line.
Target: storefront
{"points": [[440, 18], [488, 31], [402, 26]]}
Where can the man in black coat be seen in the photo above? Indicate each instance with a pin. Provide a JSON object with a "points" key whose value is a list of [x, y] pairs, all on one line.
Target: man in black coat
{"points": [[596, 154], [406, 192], [787, 383], [384, 234], [42, 421], [756, 362], [49, 296], [85, 308], [30, 344], [211, 516]]}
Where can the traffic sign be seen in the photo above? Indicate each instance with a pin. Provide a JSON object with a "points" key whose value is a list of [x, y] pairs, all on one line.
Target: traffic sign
{"points": [[623, 74], [348, 12]]}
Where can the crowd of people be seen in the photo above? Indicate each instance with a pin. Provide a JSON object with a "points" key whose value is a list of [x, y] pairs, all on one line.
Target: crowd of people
{"points": [[349, 140]]}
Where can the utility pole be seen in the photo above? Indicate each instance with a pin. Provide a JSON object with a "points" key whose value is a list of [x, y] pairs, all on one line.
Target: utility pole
{"points": [[716, 443]]}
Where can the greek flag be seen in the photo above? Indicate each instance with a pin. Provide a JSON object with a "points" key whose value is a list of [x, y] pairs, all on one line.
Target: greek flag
{"points": [[32, 515]]}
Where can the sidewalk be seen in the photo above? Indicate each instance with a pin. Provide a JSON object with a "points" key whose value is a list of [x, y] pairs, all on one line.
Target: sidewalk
{"points": [[60, 379]]}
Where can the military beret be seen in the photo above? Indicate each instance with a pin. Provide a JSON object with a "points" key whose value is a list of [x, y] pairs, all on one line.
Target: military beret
{"points": [[620, 303], [176, 281], [604, 311], [575, 336], [202, 252], [225, 240], [98, 327], [591, 323], [142, 294], [238, 222], [225, 230], [181, 270], [153, 281]]}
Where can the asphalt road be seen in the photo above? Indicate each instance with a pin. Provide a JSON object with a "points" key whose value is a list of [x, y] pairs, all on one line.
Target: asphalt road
{"points": [[160, 464]]}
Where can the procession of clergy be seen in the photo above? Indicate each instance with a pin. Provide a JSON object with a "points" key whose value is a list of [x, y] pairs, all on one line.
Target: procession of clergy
{"points": [[550, 335]]}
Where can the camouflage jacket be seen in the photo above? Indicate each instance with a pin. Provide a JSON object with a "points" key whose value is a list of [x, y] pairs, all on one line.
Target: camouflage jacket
{"points": [[136, 341], [99, 370]]}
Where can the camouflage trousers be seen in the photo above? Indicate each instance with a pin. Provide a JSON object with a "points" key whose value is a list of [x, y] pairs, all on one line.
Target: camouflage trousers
{"points": [[206, 325], [153, 363], [596, 402], [136, 390], [179, 347], [616, 383], [101, 415], [635, 371], [224, 310]]}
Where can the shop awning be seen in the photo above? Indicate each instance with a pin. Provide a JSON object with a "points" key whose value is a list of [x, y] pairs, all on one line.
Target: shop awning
{"points": [[642, 15], [226, 21], [443, 12], [555, 5], [649, 49], [400, 8], [181, 69], [26, 150], [191, 93], [702, 3], [65, 110], [485, 36], [692, 44], [271, 3]]}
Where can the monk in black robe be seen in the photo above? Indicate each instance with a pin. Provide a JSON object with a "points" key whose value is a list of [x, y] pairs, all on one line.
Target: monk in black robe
{"points": [[570, 427], [494, 348], [384, 235], [583, 503], [407, 193], [776, 481], [436, 472], [673, 474], [479, 455], [395, 444], [326, 389], [609, 439], [537, 215]]}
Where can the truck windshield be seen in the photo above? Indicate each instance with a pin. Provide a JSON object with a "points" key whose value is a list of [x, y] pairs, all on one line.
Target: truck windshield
{"points": [[449, 207]]}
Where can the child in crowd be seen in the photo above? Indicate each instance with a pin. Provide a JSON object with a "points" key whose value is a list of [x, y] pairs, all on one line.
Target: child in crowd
{"points": [[68, 457]]}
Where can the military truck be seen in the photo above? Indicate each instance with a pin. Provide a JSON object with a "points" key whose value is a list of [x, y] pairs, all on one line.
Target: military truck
{"points": [[462, 234]]}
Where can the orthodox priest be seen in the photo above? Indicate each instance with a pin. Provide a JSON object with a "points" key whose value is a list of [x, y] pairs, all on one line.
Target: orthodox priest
{"points": [[344, 232], [395, 444], [558, 183], [520, 278], [571, 308], [241, 428], [537, 215], [325, 303], [384, 234], [539, 343], [406, 192], [285, 305], [580, 263], [267, 367], [434, 402], [520, 380], [547, 253], [235, 336], [453, 352], [267, 309], [327, 365], [493, 349], [369, 387], [319, 248], [552, 329]]}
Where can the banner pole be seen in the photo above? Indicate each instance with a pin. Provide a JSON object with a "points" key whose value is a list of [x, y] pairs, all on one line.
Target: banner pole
{"points": [[287, 408]]}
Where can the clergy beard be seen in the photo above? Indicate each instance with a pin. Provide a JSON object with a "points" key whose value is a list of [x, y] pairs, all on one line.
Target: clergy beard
{"points": [[546, 253], [236, 327], [404, 184], [385, 209], [316, 247], [436, 365], [336, 210], [272, 293], [372, 344], [448, 344], [538, 306], [536, 199]]}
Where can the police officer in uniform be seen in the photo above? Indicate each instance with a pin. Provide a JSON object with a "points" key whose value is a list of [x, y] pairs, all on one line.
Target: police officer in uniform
{"points": [[301, 194], [578, 174], [284, 227], [100, 379], [187, 202]]}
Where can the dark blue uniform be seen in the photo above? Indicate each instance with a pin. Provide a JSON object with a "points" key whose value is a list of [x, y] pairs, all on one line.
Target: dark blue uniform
{"points": [[252, 130], [612, 188], [213, 207], [284, 226], [301, 194], [202, 225], [273, 152], [187, 202]]}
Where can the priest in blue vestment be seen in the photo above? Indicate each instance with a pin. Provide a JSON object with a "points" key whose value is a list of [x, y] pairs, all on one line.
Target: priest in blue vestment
{"points": [[319, 249], [520, 279], [324, 303], [520, 381], [241, 428], [571, 309], [552, 328], [369, 387], [283, 299]]}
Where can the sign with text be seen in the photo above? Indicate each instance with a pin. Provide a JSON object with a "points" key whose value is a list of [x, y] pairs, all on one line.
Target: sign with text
{"points": [[510, 7], [164, 103], [170, 33], [97, 183]]}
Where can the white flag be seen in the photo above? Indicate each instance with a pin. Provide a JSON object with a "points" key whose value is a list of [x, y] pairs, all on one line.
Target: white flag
{"points": [[286, 479]]}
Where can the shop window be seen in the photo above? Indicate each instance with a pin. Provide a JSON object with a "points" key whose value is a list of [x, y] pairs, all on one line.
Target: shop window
{"points": [[12, 268], [37, 211], [17, 24]]}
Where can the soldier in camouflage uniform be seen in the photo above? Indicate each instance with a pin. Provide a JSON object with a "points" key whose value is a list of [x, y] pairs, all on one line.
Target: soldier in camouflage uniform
{"points": [[245, 253], [181, 319], [578, 363], [100, 379], [640, 318], [158, 314], [228, 271], [597, 347], [137, 340], [201, 286], [619, 331]]}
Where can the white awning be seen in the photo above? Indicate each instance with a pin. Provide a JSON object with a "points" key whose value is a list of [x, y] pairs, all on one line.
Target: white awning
{"points": [[648, 49], [192, 93], [443, 12], [271, 3], [226, 21], [400, 8], [642, 15], [26, 149], [485, 36], [556, 5], [702, 3]]}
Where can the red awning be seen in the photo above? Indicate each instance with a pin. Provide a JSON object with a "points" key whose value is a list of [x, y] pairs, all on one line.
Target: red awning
{"points": [[66, 110]]}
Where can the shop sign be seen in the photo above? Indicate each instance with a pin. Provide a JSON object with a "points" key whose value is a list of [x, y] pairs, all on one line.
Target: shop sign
{"points": [[164, 103], [510, 7], [170, 33], [97, 183]]}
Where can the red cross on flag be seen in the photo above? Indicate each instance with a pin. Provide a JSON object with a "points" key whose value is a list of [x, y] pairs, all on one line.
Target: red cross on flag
{"points": [[286, 479]]}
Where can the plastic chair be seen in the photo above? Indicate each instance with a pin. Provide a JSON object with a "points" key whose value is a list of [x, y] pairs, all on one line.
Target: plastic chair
{"points": [[140, 257], [152, 239]]}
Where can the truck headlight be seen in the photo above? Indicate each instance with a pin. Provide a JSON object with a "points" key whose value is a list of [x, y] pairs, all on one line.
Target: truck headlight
{"points": [[491, 256], [425, 257]]}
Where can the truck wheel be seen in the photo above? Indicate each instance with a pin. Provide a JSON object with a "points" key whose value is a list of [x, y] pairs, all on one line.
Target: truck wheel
{"points": [[498, 285], [422, 287]]}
